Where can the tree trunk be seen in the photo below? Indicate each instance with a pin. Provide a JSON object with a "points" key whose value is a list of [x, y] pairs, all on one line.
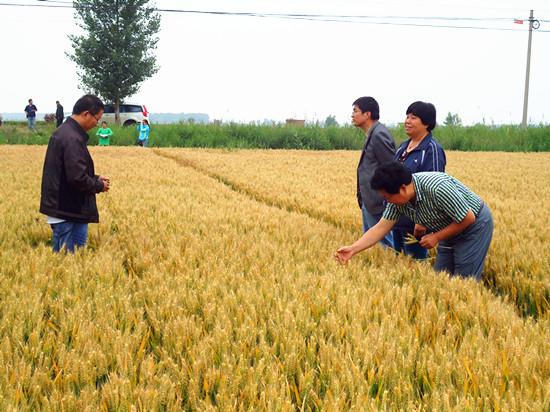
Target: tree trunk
{"points": [[117, 112]]}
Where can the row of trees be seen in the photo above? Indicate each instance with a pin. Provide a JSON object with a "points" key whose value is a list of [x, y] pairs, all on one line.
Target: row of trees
{"points": [[115, 55]]}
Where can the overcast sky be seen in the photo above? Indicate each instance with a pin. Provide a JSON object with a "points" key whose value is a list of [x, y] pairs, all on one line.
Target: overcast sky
{"points": [[240, 68]]}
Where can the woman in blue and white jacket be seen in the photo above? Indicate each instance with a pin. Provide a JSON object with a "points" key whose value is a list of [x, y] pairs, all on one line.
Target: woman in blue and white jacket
{"points": [[421, 153], [143, 128]]}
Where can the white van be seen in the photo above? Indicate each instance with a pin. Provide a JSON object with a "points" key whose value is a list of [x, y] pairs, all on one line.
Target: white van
{"points": [[130, 114]]}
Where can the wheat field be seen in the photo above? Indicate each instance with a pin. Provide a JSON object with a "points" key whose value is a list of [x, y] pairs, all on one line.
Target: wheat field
{"points": [[209, 284]]}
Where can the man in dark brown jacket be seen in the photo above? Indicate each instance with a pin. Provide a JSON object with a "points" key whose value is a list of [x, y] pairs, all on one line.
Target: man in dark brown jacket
{"points": [[69, 182]]}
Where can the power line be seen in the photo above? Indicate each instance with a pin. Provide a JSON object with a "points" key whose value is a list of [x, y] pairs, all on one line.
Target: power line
{"points": [[37, 5], [361, 19]]}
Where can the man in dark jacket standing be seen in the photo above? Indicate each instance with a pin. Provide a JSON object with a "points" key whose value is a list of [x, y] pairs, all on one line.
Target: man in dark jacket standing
{"points": [[59, 113], [69, 182], [379, 148]]}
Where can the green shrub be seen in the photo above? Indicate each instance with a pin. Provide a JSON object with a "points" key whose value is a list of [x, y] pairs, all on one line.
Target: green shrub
{"points": [[480, 137]]}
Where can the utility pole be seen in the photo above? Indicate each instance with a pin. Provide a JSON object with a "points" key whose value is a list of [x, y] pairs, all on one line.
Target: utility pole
{"points": [[117, 101], [526, 95]]}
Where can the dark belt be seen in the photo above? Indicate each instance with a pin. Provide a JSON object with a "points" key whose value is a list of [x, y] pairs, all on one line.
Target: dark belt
{"points": [[480, 208]]}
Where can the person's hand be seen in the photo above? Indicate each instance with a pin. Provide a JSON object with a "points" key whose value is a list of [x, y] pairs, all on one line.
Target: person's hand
{"points": [[419, 230], [429, 241], [344, 254], [106, 183]]}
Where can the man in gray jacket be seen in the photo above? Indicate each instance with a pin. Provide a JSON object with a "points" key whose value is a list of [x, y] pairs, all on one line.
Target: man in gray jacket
{"points": [[379, 148], [69, 182]]}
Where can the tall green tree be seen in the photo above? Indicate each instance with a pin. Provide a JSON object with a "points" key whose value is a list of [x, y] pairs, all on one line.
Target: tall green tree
{"points": [[115, 55], [330, 121], [452, 120]]}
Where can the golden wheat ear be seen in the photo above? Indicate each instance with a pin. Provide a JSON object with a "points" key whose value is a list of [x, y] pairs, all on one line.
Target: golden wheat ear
{"points": [[410, 239]]}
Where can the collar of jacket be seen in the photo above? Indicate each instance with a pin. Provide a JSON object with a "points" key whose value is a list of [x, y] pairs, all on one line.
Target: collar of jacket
{"points": [[423, 144], [376, 123], [74, 124]]}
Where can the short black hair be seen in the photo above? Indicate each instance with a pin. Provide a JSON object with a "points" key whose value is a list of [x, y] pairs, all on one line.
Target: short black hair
{"points": [[424, 111], [88, 102], [368, 104], [30, 100], [390, 177]]}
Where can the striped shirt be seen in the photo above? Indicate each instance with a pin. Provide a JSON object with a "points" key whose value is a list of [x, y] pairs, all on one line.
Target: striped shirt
{"points": [[440, 200]]}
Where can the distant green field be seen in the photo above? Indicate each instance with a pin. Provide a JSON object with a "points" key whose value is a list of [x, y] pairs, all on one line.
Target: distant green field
{"points": [[311, 137]]}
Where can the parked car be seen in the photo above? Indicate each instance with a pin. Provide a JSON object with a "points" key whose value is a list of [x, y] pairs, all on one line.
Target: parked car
{"points": [[130, 114]]}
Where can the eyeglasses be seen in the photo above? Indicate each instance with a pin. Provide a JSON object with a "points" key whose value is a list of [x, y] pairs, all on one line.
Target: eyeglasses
{"points": [[96, 119]]}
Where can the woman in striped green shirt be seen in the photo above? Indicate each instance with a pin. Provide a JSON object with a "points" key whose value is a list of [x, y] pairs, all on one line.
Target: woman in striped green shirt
{"points": [[462, 225]]}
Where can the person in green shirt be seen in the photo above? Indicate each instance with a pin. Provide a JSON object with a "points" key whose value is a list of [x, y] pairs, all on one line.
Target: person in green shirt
{"points": [[104, 133]]}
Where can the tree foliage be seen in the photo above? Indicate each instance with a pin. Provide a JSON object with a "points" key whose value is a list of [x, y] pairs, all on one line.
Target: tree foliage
{"points": [[452, 120], [115, 55], [330, 121]]}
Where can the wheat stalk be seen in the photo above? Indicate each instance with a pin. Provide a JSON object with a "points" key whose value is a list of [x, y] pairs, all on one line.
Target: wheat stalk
{"points": [[197, 296], [410, 239]]}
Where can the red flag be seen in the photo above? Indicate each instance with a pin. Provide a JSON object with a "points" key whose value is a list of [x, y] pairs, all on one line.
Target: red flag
{"points": [[518, 21]]}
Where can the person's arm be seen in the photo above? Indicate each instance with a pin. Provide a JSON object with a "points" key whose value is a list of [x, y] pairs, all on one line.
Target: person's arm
{"points": [[74, 157], [371, 237], [106, 183], [431, 240], [384, 146], [109, 132], [434, 158], [419, 230]]}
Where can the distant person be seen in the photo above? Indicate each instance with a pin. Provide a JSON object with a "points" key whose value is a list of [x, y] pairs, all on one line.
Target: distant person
{"points": [[59, 115], [420, 153], [69, 182], [30, 111], [104, 134], [143, 128], [461, 224], [379, 148]]}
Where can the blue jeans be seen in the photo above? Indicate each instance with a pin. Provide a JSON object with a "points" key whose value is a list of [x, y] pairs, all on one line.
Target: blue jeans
{"points": [[144, 141], [371, 220], [32, 122], [414, 249], [70, 234], [464, 255]]}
